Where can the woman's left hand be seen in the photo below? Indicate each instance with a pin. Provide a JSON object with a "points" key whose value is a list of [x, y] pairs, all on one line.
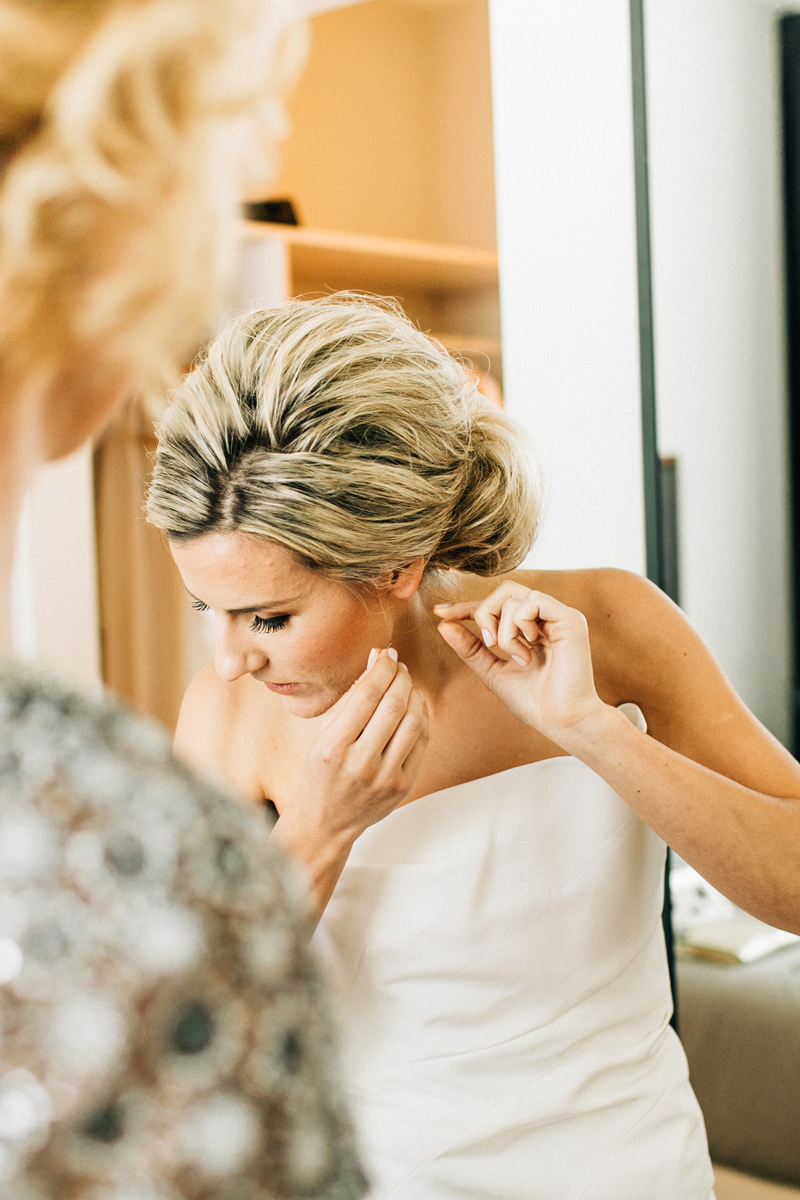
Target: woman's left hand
{"points": [[547, 682]]}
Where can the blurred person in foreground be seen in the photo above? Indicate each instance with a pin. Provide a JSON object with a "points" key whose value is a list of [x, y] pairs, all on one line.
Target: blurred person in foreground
{"points": [[162, 1032]]}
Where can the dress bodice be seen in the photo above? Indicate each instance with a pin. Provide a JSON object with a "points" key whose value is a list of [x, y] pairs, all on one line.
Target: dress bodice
{"points": [[497, 957]]}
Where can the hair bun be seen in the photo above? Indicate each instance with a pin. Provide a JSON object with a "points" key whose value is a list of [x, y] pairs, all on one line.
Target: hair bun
{"points": [[336, 428], [496, 517]]}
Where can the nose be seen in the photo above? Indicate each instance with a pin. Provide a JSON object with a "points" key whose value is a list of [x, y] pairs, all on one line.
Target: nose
{"points": [[235, 652]]}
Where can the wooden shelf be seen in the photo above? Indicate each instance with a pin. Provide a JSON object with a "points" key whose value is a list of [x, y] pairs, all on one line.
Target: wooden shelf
{"points": [[364, 263]]}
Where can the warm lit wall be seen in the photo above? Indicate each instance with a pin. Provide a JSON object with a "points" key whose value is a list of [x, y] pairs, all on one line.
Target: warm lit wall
{"points": [[391, 123], [462, 140]]}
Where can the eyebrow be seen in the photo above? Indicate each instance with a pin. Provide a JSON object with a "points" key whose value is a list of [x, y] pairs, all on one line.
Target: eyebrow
{"points": [[253, 608]]}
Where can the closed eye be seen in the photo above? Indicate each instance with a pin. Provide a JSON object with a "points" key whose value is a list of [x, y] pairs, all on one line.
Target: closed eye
{"points": [[258, 624], [268, 624]]}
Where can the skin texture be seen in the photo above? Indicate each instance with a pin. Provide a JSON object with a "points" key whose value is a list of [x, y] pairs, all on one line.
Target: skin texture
{"points": [[707, 777]]}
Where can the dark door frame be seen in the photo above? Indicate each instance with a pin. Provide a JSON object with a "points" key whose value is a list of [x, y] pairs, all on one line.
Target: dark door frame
{"points": [[654, 539]]}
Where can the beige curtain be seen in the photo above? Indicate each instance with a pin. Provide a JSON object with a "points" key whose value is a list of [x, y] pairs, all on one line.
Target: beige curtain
{"points": [[143, 605]]}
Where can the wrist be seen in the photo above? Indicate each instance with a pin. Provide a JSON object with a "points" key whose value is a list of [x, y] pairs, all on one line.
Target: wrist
{"points": [[302, 835], [591, 730]]}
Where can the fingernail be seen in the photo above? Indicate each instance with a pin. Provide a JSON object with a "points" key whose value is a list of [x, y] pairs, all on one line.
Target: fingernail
{"points": [[440, 606], [487, 637], [373, 654], [392, 653], [519, 660]]}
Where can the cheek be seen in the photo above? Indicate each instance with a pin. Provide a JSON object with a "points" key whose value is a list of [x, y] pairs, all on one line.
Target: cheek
{"points": [[339, 645]]}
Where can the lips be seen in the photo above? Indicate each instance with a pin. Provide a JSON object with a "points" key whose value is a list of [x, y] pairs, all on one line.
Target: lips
{"points": [[282, 689]]}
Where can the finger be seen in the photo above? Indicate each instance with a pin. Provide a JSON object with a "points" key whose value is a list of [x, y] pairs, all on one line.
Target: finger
{"points": [[488, 613], [461, 610], [412, 729], [388, 715], [471, 651], [550, 610], [374, 653], [362, 701], [510, 636], [414, 760], [469, 610]]}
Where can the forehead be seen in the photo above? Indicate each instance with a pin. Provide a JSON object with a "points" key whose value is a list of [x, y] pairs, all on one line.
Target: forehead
{"points": [[230, 571]]}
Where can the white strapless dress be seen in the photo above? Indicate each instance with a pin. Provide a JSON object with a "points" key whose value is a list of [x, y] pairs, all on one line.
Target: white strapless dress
{"points": [[498, 966]]}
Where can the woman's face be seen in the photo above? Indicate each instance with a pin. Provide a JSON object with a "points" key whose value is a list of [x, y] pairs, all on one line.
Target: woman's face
{"points": [[293, 630]]}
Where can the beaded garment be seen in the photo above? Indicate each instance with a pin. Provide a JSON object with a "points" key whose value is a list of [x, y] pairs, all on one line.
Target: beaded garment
{"points": [[162, 1029]]}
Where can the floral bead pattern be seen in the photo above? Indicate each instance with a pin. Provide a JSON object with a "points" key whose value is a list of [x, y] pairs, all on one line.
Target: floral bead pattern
{"points": [[163, 1032]]}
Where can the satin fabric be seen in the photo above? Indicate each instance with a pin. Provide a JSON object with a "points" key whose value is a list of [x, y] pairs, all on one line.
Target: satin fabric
{"points": [[499, 971]]}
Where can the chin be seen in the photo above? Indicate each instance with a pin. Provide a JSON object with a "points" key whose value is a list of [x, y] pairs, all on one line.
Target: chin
{"points": [[315, 705]]}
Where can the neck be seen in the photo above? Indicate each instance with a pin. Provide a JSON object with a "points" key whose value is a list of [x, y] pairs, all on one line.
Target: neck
{"points": [[416, 638]]}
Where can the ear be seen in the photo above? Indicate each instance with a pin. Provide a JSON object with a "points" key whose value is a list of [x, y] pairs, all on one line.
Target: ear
{"points": [[404, 581]]}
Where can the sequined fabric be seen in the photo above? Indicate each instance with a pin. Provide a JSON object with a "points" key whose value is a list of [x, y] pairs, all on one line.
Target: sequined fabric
{"points": [[162, 1031]]}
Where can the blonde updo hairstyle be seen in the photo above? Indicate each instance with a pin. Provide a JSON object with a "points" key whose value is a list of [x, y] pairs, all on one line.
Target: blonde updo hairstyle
{"points": [[337, 429], [122, 124]]}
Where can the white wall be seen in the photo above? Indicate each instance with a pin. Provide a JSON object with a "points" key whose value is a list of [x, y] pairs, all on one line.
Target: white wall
{"points": [[566, 228], [55, 621], [568, 287], [712, 90]]}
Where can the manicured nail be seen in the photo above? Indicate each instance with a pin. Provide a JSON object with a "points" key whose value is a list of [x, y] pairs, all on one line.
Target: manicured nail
{"points": [[487, 637], [392, 653], [440, 606], [373, 654], [519, 660]]}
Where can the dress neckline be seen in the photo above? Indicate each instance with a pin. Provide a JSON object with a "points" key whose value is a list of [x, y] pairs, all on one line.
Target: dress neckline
{"points": [[630, 709], [454, 787]]}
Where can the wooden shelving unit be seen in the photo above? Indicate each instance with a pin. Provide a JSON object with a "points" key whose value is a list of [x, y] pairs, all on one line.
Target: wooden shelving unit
{"points": [[444, 288], [362, 262]]}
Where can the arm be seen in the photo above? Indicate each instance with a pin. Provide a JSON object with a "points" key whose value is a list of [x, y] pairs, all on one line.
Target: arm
{"points": [[710, 781]]}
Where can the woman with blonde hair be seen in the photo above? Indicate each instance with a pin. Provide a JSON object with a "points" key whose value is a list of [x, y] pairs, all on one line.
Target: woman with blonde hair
{"points": [[163, 1029], [334, 489]]}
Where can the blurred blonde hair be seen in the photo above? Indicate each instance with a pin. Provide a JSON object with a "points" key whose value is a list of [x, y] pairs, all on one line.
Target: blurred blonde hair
{"points": [[337, 429], [120, 125]]}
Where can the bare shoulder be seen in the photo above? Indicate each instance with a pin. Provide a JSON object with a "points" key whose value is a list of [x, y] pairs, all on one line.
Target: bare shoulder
{"points": [[643, 647], [595, 589], [223, 729], [645, 650]]}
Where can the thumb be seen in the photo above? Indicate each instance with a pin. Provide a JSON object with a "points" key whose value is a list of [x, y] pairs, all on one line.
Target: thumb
{"points": [[471, 650]]}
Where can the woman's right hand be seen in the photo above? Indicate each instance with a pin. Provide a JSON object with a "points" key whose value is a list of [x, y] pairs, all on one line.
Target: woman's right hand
{"points": [[360, 769]]}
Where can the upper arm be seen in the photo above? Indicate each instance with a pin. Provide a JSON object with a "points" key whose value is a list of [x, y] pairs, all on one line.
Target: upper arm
{"points": [[647, 651], [208, 737]]}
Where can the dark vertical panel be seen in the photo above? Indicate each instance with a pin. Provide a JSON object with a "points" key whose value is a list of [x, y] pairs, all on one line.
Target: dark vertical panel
{"points": [[652, 501], [652, 490], [790, 56], [670, 566]]}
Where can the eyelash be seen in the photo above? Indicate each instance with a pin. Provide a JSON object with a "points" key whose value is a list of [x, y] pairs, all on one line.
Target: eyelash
{"points": [[258, 624], [268, 624]]}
